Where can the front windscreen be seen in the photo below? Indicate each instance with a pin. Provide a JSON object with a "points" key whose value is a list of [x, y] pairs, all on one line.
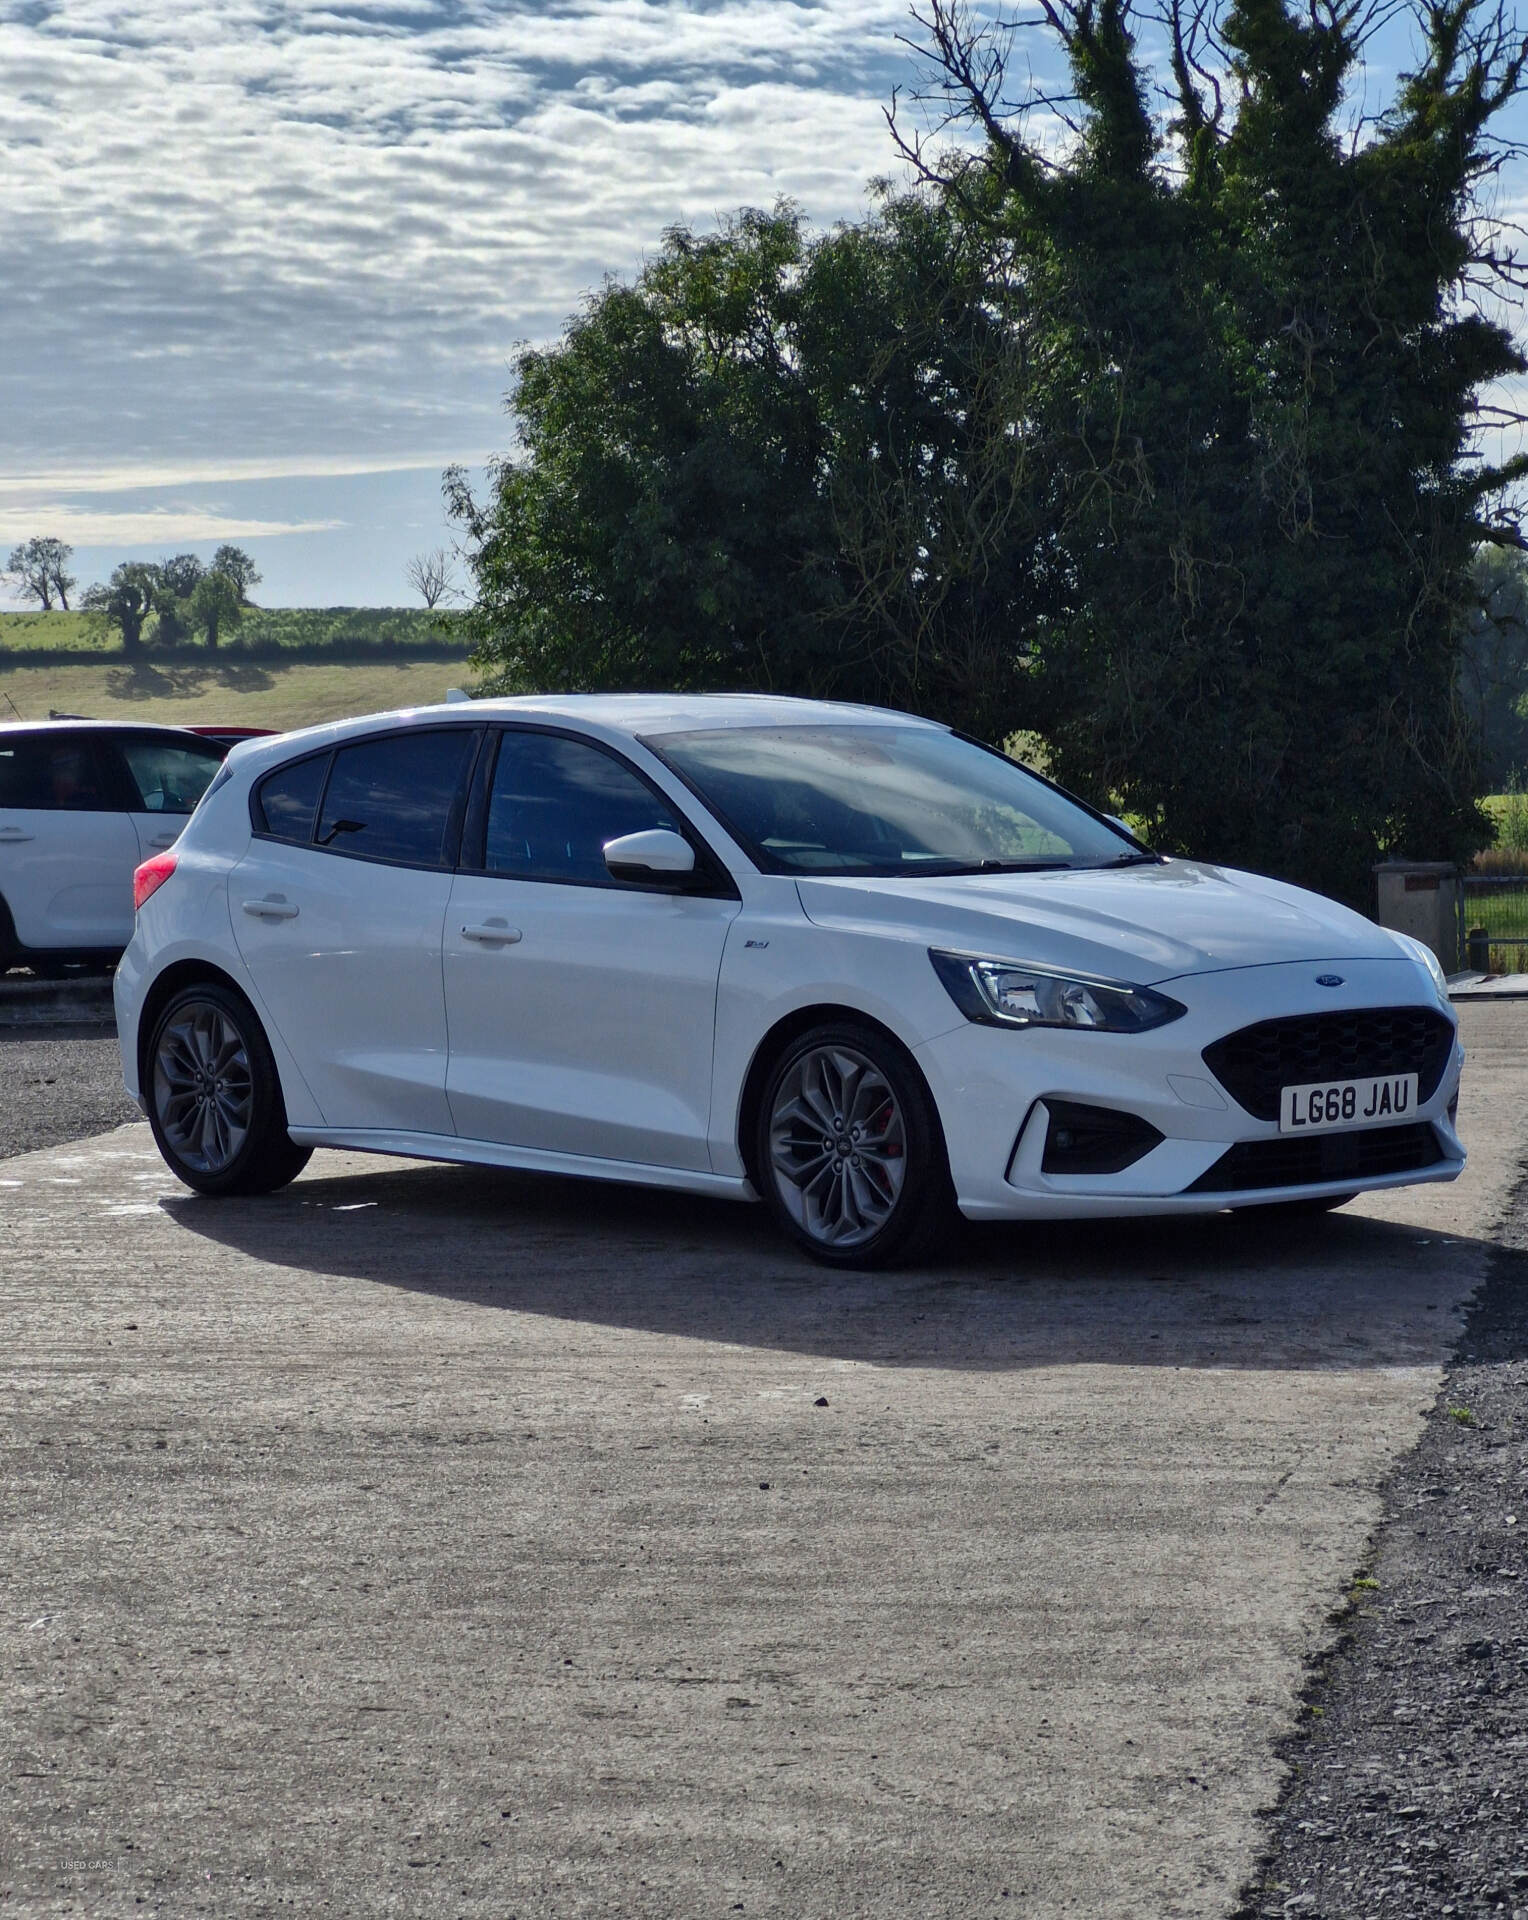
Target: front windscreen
{"points": [[885, 800]]}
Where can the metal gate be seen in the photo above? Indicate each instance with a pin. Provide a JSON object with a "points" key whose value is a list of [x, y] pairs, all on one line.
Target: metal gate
{"points": [[1493, 922]]}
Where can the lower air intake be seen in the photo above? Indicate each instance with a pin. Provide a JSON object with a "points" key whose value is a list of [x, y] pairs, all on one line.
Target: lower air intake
{"points": [[1083, 1139], [1359, 1157]]}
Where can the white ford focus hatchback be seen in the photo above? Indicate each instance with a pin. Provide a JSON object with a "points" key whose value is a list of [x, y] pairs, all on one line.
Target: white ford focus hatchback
{"points": [[831, 957]]}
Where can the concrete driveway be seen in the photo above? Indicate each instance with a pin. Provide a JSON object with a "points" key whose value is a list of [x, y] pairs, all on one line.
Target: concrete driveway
{"points": [[427, 1541]]}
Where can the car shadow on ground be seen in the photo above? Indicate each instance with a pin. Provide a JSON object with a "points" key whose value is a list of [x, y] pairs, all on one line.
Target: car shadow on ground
{"points": [[1252, 1290]]}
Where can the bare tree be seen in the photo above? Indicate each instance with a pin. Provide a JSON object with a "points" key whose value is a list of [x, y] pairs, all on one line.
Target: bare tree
{"points": [[39, 567], [432, 577]]}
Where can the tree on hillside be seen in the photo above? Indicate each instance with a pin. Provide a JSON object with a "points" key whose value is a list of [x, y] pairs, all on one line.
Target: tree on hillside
{"points": [[216, 602], [1265, 350], [134, 592], [40, 567], [431, 576], [237, 566], [178, 576]]}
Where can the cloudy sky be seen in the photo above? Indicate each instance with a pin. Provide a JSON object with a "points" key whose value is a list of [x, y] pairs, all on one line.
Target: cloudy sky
{"points": [[264, 263]]}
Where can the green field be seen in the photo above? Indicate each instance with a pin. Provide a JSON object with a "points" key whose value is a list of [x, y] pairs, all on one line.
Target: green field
{"points": [[233, 693], [34, 639], [284, 667]]}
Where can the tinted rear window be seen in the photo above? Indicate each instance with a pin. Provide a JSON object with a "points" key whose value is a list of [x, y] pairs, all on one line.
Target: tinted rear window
{"points": [[395, 798], [286, 801], [54, 772]]}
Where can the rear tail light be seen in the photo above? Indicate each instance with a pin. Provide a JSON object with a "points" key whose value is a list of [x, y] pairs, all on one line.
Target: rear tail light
{"points": [[151, 876]]}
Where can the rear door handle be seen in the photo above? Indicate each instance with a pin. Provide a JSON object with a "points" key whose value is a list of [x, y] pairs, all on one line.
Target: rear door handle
{"points": [[272, 909], [494, 934], [169, 842]]}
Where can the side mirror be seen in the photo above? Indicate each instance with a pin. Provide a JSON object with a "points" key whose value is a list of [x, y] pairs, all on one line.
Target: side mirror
{"points": [[656, 854]]}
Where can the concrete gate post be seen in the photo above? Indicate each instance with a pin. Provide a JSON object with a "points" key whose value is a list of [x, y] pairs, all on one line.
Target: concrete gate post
{"points": [[1421, 897]]}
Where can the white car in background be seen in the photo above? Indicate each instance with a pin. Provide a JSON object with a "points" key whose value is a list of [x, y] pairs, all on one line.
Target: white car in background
{"points": [[82, 804], [834, 957]]}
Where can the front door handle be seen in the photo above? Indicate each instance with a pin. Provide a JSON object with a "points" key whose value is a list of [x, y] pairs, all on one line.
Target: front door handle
{"points": [[13, 835], [272, 909], [495, 933]]}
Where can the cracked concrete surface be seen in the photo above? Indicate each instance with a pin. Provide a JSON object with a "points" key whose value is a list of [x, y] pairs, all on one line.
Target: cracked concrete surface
{"points": [[427, 1540]]}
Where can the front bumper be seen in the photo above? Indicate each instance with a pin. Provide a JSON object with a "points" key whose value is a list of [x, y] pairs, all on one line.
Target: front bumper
{"points": [[989, 1083]]}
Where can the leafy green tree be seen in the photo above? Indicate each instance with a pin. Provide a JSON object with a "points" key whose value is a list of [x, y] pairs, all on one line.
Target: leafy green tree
{"points": [[1263, 370], [179, 576], [40, 567], [236, 565], [216, 603], [1494, 671], [771, 463], [134, 593], [1161, 442]]}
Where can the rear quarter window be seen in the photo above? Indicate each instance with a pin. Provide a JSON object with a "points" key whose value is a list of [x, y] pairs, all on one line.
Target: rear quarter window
{"points": [[286, 801]]}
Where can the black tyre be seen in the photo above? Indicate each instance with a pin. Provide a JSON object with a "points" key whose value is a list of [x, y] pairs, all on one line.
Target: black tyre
{"points": [[10, 950], [849, 1150], [213, 1096]]}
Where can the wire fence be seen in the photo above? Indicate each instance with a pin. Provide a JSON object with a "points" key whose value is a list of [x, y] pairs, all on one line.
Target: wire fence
{"points": [[1493, 922]]}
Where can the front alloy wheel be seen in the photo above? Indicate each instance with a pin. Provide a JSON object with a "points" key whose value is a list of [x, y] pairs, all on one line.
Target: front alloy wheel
{"points": [[849, 1149]]}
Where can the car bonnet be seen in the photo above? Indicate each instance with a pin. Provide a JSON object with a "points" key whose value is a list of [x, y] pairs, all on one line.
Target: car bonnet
{"points": [[1146, 924]]}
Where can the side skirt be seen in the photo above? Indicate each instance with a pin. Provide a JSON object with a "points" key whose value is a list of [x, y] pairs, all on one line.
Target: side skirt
{"points": [[493, 1153]]}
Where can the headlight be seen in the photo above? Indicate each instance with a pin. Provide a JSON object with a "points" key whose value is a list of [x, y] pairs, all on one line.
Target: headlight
{"points": [[1000, 993], [1419, 950]]}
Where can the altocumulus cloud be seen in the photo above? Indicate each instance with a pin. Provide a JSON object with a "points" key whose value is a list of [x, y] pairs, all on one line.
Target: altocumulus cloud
{"points": [[296, 233]]}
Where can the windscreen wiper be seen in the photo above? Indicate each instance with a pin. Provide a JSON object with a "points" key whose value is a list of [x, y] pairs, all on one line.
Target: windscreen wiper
{"points": [[1017, 866], [1128, 860]]}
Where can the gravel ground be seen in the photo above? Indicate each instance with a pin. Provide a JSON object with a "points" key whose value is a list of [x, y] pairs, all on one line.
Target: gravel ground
{"points": [[1409, 1794], [59, 1084]]}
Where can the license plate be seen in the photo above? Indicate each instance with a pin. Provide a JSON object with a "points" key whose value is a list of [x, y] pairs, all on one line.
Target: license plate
{"points": [[1348, 1103]]}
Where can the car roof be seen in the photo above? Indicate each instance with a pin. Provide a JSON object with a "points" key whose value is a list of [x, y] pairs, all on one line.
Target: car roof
{"points": [[96, 726], [604, 715]]}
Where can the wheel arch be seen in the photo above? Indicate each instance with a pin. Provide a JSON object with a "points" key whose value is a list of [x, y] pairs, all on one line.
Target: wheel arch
{"points": [[790, 1027]]}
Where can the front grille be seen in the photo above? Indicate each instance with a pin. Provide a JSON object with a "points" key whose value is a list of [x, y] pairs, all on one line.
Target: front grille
{"points": [[1307, 1162], [1256, 1063]]}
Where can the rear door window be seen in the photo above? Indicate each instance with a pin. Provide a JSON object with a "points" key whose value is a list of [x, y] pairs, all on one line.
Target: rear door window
{"points": [[168, 777], [55, 773], [399, 797]]}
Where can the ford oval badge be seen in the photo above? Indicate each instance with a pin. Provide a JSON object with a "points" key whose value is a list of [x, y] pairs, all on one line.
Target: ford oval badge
{"points": [[1329, 980]]}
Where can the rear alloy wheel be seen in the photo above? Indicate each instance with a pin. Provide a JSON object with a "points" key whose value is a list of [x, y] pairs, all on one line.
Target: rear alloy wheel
{"points": [[849, 1151], [214, 1099]]}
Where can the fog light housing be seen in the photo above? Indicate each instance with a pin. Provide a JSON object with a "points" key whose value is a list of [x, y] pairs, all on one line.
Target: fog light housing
{"points": [[1083, 1139]]}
